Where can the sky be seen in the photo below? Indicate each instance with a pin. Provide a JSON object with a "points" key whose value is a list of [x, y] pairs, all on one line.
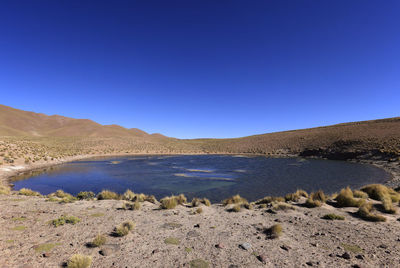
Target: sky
{"points": [[198, 68]]}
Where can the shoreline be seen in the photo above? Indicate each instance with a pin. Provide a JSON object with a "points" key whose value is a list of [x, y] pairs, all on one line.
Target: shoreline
{"points": [[392, 168]]}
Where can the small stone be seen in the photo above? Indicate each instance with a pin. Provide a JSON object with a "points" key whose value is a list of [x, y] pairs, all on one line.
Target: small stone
{"points": [[105, 252], [309, 263], [284, 247], [245, 246], [155, 251], [46, 254], [346, 256], [220, 245], [197, 226], [262, 258], [383, 246]]}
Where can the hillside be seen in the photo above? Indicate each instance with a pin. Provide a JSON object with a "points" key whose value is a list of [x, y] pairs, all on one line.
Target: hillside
{"points": [[14, 122], [377, 139]]}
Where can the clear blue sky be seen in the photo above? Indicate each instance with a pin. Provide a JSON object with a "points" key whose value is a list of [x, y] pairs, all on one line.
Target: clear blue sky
{"points": [[197, 68]]}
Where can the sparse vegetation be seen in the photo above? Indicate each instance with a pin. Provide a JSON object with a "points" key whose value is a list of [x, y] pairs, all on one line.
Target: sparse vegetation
{"points": [[4, 189], [131, 205], [236, 199], [64, 220], [332, 216], [168, 202], [28, 192], [273, 232], [106, 194], [172, 241], [346, 199], [99, 241], [85, 195], [79, 261], [124, 228], [366, 212]]}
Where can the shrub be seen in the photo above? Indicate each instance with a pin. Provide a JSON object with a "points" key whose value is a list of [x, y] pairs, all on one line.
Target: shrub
{"points": [[195, 202], [151, 199], [318, 195], [236, 208], [129, 195], [388, 205], [360, 194], [65, 219], [106, 194], [168, 202], [365, 212], [332, 216], [206, 202], [131, 206], [273, 232], [4, 189], [236, 199], [99, 241], [79, 261], [124, 228], [294, 197], [181, 199], [379, 191], [198, 211], [310, 203], [302, 193], [346, 199], [28, 192], [85, 195], [270, 199]]}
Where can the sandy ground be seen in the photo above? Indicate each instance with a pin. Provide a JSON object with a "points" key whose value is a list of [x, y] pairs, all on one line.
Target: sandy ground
{"points": [[307, 239]]}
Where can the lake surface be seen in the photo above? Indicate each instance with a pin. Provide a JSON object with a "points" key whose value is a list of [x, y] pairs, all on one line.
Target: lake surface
{"points": [[213, 176]]}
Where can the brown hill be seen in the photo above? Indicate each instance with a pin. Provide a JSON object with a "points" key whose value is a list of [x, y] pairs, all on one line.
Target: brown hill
{"points": [[14, 122]]}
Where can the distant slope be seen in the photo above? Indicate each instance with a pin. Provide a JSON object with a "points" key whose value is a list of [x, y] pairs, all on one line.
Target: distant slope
{"points": [[14, 122], [339, 141]]}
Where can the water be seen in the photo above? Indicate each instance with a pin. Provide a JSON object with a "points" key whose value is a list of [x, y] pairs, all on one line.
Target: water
{"points": [[213, 176]]}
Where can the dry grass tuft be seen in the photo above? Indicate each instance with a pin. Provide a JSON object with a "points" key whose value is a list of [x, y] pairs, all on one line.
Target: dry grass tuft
{"points": [[168, 202], [124, 228], [236, 199], [346, 199], [79, 261], [99, 241], [270, 199], [360, 194], [85, 195], [106, 194], [384, 194], [366, 213], [273, 232], [282, 206], [310, 203], [332, 217], [64, 220], [131, 205], [28, 192], [5, 189]]}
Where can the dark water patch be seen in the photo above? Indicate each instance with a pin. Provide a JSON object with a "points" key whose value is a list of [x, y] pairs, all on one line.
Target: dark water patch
{"points": [[213, 176]]}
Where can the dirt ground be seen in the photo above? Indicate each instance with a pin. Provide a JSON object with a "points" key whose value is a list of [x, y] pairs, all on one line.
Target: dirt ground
{"points": [[213, 236]]}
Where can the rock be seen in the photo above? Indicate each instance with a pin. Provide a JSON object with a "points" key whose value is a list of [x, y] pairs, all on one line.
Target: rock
{"points": [[346, 256], [284, 247], [360, 257], [245, 246], [262, 258], [309, 263], [220, 245], [46, 254], [197, 226]]}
